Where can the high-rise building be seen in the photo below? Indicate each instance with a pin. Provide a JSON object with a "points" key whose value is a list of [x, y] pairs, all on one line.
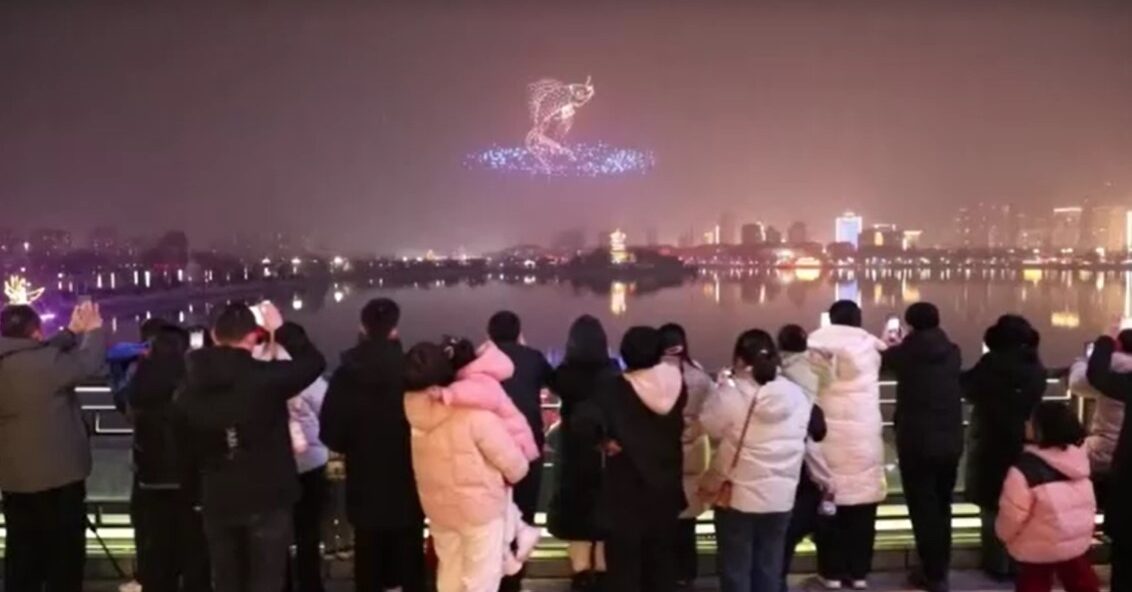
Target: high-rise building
{"points": [[797, 233], [986, 226], [753, 234], [773, 236], [886, 236], [1065, 230], [618, 251], [1104, 228], [910, 240], [848, 228], [49, 242], [725, 232]]}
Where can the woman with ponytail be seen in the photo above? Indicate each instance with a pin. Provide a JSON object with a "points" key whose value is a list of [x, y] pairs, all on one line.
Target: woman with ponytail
{"points": [[760, 421]]}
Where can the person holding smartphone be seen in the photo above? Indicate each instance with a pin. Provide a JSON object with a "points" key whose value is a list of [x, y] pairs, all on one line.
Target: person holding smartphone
{"points": [[929, 434]]}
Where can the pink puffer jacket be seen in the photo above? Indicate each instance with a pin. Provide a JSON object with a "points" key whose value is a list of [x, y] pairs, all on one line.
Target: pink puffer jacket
{"points": [[463, 459], [478, 386], [1047, 511]]}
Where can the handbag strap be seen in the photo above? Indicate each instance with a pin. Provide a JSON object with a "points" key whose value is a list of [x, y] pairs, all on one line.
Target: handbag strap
{"points": [[743, 433]]}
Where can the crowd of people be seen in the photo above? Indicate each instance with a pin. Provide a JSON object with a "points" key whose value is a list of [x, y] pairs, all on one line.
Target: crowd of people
{"points": [[234, 427]]}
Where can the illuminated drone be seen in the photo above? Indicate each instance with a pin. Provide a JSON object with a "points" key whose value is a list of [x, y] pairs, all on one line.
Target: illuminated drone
{"points": [[19, 291], [552, 105]]}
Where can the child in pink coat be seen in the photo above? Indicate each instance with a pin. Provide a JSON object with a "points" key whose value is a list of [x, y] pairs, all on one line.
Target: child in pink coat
{"points": [[479, 374], [1047, 511]]}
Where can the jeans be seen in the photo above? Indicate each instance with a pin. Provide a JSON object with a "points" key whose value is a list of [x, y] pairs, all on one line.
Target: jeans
{"points": [[46, 540], [171, 547], [845, 543], [928, 487], [307, 522], [386, 559], [525, 496], [1076, 575], [995, 560], [642, 561], [751, 549], [249, 554]]}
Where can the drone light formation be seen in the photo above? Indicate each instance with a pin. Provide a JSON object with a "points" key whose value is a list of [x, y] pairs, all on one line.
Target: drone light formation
{"points": [[19, 291], [552, 106]]}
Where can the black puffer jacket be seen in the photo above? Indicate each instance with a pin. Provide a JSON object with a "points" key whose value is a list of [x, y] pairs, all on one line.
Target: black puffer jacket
{"points": [[929, 399], [148, 395], [363, 417], [1003, 388], [236, 410], [579, 463]]}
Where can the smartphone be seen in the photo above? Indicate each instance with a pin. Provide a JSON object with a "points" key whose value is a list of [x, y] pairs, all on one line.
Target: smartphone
{"points": [[196, 339], [257, 312], [986, 349], [1125, 323], [1089, 349], [824, 321], [84, 299]]}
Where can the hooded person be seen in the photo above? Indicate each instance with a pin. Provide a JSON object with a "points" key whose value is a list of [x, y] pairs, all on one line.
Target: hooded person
{"points": [[638, 421], [929, 435], [578, 384], [465, 462], [1047, 513], [1003, 388], [853, 447], [761, 422], [235, 408], [697, 447], [363, 418], [1108, 413]]}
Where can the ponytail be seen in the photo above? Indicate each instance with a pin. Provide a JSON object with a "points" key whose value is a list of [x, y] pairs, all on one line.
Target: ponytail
{"points": [[756, 350]]}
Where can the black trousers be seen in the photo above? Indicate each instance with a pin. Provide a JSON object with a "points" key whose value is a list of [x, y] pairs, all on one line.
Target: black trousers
{"points": [[249, 554], [803, 520], [687, 555], [169, 534], [642, 561], [526, 498], [46, 539], [385, 559], [307, 522], [928, 487], [845, 543]]}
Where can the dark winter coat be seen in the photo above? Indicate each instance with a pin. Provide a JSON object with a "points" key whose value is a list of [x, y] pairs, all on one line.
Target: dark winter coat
{"points": [[1004, 388], [1118, 520], [236, 410], [929, 399], [148, 396], [643, 483], [363, 417], [578, 462], [532, 374]]}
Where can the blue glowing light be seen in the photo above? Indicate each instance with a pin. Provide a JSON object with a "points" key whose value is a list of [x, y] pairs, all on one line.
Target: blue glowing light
{"points": [[583, 160]]}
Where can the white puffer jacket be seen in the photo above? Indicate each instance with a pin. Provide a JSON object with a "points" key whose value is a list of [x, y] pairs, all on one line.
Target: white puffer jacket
{"points": [[770, 458], [1108, 416], [854, 445], [697, 448]]}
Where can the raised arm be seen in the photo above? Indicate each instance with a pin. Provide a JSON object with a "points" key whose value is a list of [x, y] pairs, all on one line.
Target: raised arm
{"points": [[285, 378], [1100, 373], [72, 365]]}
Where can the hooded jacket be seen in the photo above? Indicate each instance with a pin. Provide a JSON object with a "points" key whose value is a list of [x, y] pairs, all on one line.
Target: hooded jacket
{"points": [[642, 411], [478, 385], [303, 410], [929, 400], [43, 440], [765, 477], [1117, 386], [696, 444], [236, 409], [464, 460], [363, 417], [854, 446], [1108, 415], [1047, 511], [1004, 388]]}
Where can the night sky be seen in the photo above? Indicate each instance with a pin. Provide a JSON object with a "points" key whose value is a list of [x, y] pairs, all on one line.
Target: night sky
{"points": [[350, 120]]}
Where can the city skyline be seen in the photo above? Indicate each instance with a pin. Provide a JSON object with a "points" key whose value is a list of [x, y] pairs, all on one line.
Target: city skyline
{"points": [[350, 121]]}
